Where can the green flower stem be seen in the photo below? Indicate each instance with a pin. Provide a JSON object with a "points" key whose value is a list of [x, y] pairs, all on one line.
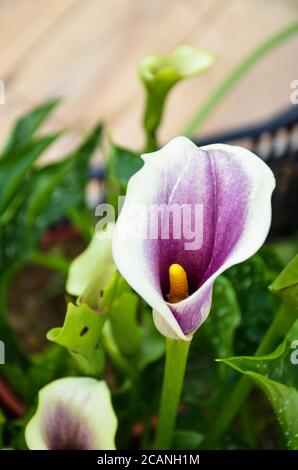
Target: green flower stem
{"points": [[152, 118], [284, 320], [176, 359], [239, 72]]}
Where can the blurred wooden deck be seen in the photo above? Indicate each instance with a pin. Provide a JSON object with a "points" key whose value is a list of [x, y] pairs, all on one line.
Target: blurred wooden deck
{"points": [[88, 50]]}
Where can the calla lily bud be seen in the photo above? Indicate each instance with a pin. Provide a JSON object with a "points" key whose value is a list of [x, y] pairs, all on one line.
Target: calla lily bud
{"points": [[159, 74], [73, 414]]}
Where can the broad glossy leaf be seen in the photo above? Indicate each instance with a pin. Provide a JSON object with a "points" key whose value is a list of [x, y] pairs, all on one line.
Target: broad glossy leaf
{"points": [[276, 376], [81, 334], [284, 401], [276, 365]]}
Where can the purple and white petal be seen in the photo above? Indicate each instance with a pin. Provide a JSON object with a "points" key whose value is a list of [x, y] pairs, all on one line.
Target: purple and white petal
{"points": [[73, 414], [232, 186]]}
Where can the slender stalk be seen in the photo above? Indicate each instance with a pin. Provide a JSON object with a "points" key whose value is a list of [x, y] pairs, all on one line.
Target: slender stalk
{"points": [[279, 328], [176, 359], [152, 118], [239, 72]]}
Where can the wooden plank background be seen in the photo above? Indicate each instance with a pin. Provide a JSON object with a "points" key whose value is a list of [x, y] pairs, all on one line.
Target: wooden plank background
{"points": [[87, 51]]}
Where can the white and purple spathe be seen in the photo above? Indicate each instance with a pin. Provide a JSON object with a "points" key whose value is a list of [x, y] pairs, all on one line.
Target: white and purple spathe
{"points": [[233, 186], [73, 413]]}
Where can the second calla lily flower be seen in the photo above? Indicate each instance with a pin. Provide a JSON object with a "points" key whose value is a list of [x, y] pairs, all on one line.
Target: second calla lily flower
{"points": [[73, 413], [233, 188]]}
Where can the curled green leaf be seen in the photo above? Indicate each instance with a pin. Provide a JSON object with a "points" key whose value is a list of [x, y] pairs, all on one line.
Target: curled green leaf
{"points": [[81, 335]]}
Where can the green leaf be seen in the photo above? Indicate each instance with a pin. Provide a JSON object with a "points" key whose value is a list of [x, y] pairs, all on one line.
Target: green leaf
{"points": [[186, 440], [276, 365], [286, 284], [293, 333], [159, 74], [284, 401], [54, 362], [15, 165], [46, 196], [34, 198], [276, 376], [81, 334], [123, 164], [58, 187], [257, 304], [224, 318], [43, 185], [26, 125]]}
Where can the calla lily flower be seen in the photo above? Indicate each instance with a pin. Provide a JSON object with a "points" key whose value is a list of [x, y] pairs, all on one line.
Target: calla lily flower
{"points": [[233, 187], [74, 413]]}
